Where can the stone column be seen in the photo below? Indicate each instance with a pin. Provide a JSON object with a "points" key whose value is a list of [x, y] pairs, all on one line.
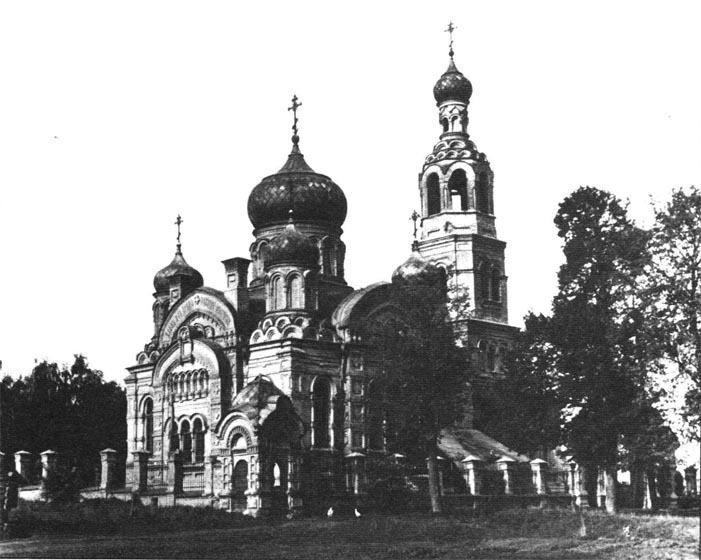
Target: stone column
{"points": [[140, 470], [538, 469], [108, 460], [473, 474], [690, 481], [175, 474], [23, 464], [507, 466]]}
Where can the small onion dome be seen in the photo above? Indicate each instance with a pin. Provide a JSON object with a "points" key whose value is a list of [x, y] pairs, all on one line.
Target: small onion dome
{"points": [[416, 266], [292, 247], [177, 267], [311, 196], [452, 86]]}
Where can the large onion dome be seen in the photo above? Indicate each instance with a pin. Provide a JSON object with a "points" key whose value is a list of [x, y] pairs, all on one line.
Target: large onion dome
{"points": [[452, 86], [311, 196], [416, 267], [292, 247], [178, 267]]}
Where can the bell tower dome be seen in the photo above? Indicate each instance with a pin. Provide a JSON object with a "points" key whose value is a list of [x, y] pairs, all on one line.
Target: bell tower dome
{"points": [[457, 206]]}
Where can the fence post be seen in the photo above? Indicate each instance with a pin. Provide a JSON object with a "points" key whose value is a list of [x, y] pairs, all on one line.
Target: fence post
{"points": [[506, 466], [473, 474], [3, 484], [601, 488], [175, 474], [581, 494], [140, 470], [49, 458], [23, 465], [690, 479], [108, 460], [538, 466]]}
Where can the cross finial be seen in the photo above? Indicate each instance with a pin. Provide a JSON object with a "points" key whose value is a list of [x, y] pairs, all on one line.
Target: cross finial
{"points": [[178, 221], [415, 216], [295, 106], [450, 30]]}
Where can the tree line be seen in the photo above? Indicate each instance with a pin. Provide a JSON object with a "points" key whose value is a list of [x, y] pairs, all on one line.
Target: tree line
{"points": [[613, 372], [70, 410]]}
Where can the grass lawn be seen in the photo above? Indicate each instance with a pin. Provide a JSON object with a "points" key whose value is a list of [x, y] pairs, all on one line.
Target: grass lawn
{"points": [[105, 530]]}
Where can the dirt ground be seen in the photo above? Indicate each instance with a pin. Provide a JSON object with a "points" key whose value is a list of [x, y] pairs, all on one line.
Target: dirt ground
{"points": [[371, 538]]}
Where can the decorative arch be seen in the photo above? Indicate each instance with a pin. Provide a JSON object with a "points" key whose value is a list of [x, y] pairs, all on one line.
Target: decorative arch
{"points": [[204, 307], [239, 431], [457, 187]]}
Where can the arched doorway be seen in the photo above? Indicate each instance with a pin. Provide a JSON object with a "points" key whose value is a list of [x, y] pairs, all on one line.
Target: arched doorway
{"points": [[239, 485]]}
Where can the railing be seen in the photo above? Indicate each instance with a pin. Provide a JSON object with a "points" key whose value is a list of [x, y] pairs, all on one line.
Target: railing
{"points": [[557, 482], [157, 477], [193, 479]]}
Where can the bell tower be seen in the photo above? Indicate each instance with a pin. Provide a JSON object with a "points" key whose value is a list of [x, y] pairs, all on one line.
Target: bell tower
{"points": [[457, 206]]}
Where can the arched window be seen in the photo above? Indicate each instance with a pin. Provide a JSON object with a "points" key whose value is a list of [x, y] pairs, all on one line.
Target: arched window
{"points": [[482, 193], [296, 296], [433, 195], [444, 122], [147, 422], [495, 284], [277, 479], [321, 403], [277, 295], [186, 441], [484, 281], [457, 185], [198, 440]]}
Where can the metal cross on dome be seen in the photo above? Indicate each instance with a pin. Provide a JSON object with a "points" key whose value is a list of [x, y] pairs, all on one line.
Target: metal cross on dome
{"points": [[178, 221], [450, 30], [295, 106]]}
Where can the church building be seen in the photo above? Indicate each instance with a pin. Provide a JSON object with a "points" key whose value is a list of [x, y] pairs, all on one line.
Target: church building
{"points": [[256, 397]]}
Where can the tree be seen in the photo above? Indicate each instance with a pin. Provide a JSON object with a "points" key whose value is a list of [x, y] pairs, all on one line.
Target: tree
{"points": [[521, 408], [596, 329], [70, 410], [422, 378], [672, 299]]}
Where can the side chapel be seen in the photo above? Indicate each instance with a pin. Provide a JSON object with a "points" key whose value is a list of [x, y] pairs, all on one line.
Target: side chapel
{"points": [[257, 396]]}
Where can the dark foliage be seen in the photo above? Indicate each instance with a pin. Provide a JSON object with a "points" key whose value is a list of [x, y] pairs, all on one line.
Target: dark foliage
{"points": [[522, 409], [72, 411]]}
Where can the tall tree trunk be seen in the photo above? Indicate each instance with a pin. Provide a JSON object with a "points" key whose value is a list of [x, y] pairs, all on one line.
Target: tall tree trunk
{"points": [[610, 481], [434, 490]]}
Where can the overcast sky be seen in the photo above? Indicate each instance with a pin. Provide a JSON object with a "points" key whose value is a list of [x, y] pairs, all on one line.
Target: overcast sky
{"points": [[115, 117]]}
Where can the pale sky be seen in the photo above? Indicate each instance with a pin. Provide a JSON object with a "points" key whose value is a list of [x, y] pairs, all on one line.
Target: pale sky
{"points": [[115, 117]]}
